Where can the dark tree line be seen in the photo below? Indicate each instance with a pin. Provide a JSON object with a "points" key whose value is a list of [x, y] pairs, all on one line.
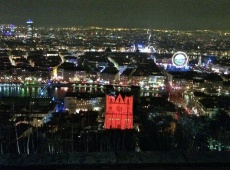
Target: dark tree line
{"points": [[190, 133]]}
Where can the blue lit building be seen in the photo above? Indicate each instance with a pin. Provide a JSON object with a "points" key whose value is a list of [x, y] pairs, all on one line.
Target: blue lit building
{"points": [[7, 30], [29, 28]]}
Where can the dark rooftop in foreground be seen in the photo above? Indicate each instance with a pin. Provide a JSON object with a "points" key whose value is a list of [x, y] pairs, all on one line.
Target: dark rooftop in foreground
{"points": [[108, 160]]}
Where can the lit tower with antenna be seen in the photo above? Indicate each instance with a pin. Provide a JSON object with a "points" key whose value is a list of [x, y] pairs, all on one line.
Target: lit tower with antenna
{"points": [[199, 57]]}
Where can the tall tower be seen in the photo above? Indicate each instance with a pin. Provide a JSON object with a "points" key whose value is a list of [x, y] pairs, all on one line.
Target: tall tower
{"points": [[151, 42], [119, 112], [199, 61], [29, 28]]}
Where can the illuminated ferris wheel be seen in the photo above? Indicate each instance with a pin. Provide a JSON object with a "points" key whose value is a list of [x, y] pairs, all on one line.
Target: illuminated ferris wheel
{"points": [[180, 59]]}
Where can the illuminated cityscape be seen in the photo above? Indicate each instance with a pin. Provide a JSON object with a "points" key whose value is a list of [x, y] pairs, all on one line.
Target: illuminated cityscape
{"points": [[74, 68], [113, 91]]}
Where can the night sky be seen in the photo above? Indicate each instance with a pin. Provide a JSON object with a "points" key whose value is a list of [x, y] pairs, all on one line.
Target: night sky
{"points": [[156, 14]]}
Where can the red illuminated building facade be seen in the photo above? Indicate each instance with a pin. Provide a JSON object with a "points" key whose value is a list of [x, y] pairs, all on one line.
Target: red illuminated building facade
{"points": [[119, 112]]}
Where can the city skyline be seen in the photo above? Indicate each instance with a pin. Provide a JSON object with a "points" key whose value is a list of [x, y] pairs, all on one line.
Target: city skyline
{"points": [[155, 14], [71, 96]]}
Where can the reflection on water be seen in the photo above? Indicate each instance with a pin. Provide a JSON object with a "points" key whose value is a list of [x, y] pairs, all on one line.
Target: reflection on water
{"points": [[56, 92], [21, 91]]}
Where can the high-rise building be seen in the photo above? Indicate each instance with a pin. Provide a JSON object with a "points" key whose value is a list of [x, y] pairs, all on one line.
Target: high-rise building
{"points": [[119, 112], [29, 28]]}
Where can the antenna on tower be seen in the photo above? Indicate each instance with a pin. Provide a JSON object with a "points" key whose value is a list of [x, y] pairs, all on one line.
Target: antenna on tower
{"points": [[150, 35]]}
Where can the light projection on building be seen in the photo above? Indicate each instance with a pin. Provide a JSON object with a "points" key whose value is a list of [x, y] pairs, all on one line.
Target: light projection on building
{"points": [[119, 112], [180, 59]]}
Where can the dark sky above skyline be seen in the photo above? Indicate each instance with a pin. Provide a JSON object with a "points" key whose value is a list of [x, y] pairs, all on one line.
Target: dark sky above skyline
{"points": [[156, 14]]}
